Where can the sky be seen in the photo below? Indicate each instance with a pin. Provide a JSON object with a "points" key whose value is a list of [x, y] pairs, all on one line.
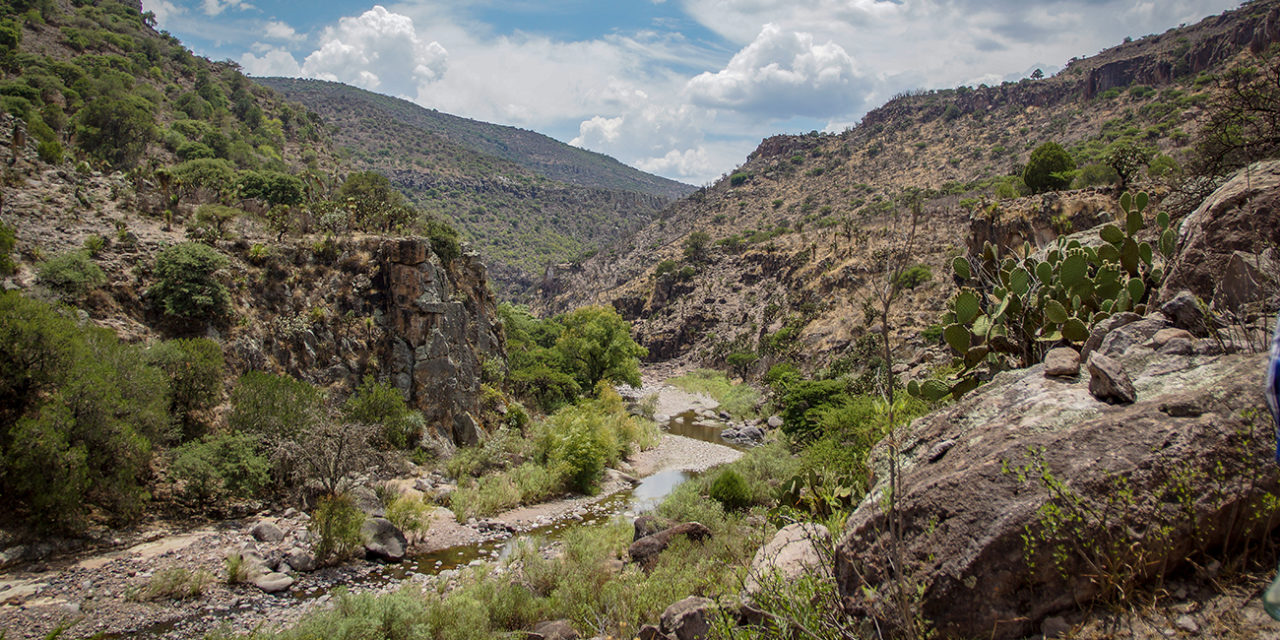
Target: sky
{"points": [[681, 88]]}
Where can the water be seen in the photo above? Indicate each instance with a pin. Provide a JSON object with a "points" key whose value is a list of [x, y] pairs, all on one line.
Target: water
{"points": [[686, 424]]}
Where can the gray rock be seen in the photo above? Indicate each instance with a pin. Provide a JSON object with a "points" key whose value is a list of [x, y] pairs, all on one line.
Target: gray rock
{"points": [[272, 582], [301, 559], [792, 552], [1054, 627], [267, 532], [1184, 311], [774, 422], [1130, 335], [688, 619], [554, 630], [367, 501], [1105, 327], [382, 540], [1178, 347], [1108, 382], [1062, 361], [1187, 623], [661, 418], [1163, 336]]}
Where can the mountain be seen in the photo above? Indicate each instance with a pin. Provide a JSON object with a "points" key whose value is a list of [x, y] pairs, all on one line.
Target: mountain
{"points": [[521, 198], [776, 260]]}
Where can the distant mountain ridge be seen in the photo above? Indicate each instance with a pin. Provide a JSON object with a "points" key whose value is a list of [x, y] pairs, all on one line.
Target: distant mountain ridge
{"points": [[524, 200]]}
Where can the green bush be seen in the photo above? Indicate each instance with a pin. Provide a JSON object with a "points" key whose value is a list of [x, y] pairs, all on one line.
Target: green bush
{"points": [[804, 403], [381, 404], [50, 151], [272, 407], [78, 413], [94, 244], [271, 187], [597, 345], [8, 238], [71, 275], [740, 400], [730, 490], [114, 124], [696, 245], [1092, 175], [194, 367], [220, 466], [187, 285], [579, 441], [914, 276], [211, 220], [410, 515], [738, 179], [336, 524], [1047, 168]]}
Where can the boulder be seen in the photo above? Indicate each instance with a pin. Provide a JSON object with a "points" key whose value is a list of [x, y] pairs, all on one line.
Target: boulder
{"points": [[645, 551], [648, 525], [965, 517], [793, 551], [553, 630], [272, 582], [688, 619], [1105, 327], [382, 540], [301, 559], [1243, 215], [1163, 336], [1062, 361], [1185, 312], [774, 422], [651, 632], [267, 532], [1108, 381], [367, 501]]}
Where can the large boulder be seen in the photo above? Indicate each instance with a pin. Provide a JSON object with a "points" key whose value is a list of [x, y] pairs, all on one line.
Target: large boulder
{"points": [[382, 540], [793, 551], [967, 516], [267, 532], [688, 619], [1241, 220]]}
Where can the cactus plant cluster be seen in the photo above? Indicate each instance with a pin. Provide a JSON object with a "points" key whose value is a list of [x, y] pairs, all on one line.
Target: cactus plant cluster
{"points": [[1012, 309]]}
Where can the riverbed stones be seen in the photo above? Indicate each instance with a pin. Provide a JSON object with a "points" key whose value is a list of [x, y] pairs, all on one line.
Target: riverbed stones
{"points": [[774, 422], [1062, 362], [794, 551], [272, 582], [382, 540], [301, 559], [1108, 382], [688, 619], [267, 532]]}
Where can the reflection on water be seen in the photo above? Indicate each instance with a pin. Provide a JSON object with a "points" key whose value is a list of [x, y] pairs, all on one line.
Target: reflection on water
{"points": [[686, 424]]}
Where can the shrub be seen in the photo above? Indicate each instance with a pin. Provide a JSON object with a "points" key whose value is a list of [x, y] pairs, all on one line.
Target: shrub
{"points": [[236, 569], [410, 515], [336, 524], [174, 583], [94, 244], [194, 367], [219, 466], [274, 407], [8, 238], [381, 404], [71, 275], [695, 246], [1046, 168], [1092, 175], [739, 400], [271, 187], [914, 276], [730, 490], [115, 125], [211, 220], [738, 179], [191, 150], [187, 286], [50, 151], [665, 267]]}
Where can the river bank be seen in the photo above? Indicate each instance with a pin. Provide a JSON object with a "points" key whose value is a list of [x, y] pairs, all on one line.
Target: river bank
{"points": [[98, 592]]}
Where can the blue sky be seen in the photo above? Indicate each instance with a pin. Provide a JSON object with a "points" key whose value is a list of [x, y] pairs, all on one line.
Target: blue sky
{"points": [[681, 88]]}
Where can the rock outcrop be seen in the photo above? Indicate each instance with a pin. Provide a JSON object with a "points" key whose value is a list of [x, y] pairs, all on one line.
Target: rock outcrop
{"points": [[1025, 441], [793, 551], [1226, 247], [645, 551]]}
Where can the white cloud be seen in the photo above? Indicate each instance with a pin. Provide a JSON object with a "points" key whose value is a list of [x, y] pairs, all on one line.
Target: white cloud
{"points": [[783, 74], [378, 50], [278, 30], [215, 7], [163, 10], [272, 62]]}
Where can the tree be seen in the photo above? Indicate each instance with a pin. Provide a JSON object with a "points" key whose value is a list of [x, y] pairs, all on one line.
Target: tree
{"points": [[116, 125], [597, 345], [1127, 158], [373, 202], [695, 246], [187, 286], [1049, 168], [194, 367]]}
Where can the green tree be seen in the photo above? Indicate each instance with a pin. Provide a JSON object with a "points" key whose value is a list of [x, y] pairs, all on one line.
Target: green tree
{"points": [[1048, 168], [274, 407], [78, 413], [219, 466], [194, 367], [1127, 159], [114, 124], [373, 202], [71, 275], [187, 285], [597, 345], [696, 245], [8, 237], [379, 403]]}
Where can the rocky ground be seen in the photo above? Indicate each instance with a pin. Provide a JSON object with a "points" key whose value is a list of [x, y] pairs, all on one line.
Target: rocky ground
{"points": [[104, 591]]}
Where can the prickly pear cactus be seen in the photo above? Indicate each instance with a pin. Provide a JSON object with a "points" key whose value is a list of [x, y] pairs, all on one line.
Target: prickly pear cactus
{"points": [[1012, 309]]}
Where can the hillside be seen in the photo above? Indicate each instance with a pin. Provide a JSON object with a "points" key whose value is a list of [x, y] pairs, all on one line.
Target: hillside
{"points": [[774, 260], [522, 199]]}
